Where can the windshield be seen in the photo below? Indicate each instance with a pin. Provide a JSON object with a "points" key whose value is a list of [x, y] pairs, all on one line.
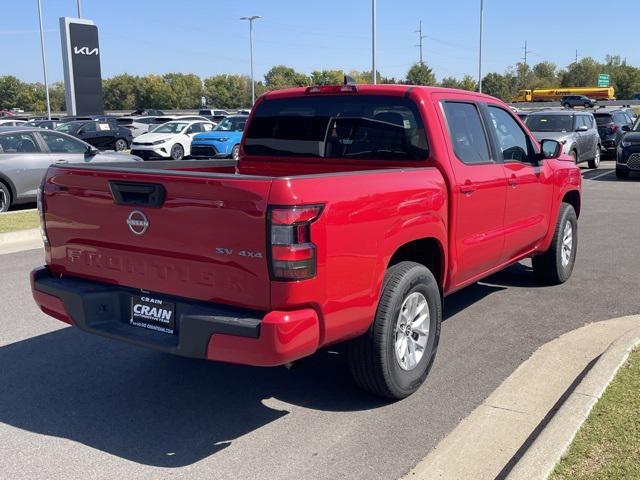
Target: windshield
{"points": [[636, 127], [338, 126], [603, 119], [231, 125], [550, 123], [171, 127]]}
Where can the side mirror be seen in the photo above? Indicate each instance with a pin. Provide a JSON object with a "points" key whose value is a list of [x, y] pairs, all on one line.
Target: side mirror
{"points": [[550, 148], [625, 128], [582, 128], [92, 150]]}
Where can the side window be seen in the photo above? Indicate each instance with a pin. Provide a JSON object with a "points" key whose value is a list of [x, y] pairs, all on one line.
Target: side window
{"points": [[588, 120], [18, 143], [580, 121], [60, 144], [620, 118], [467, 133], [207, 127], [512, 140], [89, 127], [195, 128]]}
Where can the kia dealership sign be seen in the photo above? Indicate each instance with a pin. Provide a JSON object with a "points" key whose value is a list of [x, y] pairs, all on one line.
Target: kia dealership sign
{"points": [[81, 61]]}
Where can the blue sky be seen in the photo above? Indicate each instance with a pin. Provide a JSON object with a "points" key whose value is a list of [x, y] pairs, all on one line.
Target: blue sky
{"points": [[205, 36]]}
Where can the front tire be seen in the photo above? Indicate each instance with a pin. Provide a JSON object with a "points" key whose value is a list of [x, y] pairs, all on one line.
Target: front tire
{"points": [[5, 198], [574, 155], [235, 152], [177, 152], [556, 265], [566, 105], [393, 358], [595, 162]]}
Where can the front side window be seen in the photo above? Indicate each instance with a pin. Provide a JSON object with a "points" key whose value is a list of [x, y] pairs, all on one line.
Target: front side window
{"points": [[18, 143], [511, 138], [338, 126], [467, 133], [61, 144]]}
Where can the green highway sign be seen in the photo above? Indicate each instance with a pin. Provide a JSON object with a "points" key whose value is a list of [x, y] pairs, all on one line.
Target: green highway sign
{"points": [[603, 80]]}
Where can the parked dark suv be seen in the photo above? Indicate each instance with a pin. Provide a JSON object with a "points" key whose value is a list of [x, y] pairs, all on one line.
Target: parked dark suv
{"points": [[102, 134], [571, 101], [612, 123], [628, 153]]}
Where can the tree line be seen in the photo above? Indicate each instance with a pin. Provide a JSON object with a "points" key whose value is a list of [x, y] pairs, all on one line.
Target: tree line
{"points": [[183, 91]]}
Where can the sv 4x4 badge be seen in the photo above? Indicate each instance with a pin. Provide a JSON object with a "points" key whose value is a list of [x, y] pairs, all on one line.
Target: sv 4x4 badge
{"points": [[240, 253]]}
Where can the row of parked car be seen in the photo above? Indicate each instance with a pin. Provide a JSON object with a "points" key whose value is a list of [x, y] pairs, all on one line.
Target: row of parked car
{"points": [[588, 135], [28, 148]]}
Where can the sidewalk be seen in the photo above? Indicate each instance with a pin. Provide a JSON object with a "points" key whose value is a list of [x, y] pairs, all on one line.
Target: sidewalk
{"points": [[11, 242], [524, 427]]}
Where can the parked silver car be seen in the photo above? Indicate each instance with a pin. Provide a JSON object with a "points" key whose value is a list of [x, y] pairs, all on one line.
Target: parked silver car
{"points": [[27, 152], [576, 131]]}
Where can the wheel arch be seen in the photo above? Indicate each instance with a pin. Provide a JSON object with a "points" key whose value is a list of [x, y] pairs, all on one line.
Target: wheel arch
{"points": [[12, 188], [572, 197], [427, 251]]}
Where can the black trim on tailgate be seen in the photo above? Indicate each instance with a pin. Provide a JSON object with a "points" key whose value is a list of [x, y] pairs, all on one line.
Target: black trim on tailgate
{"points": [[104, 309]]}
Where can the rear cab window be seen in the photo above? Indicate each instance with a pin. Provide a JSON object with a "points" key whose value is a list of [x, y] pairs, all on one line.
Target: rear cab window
{"points": [[338, 126]]}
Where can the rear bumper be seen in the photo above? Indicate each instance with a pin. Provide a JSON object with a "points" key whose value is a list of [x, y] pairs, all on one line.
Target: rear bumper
{"points": [[203, 330]]}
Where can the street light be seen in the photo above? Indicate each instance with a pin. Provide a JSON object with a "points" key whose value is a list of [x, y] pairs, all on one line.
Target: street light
{"points": [[253, 86], [480, 51], [44, 62], [373, 41], [79, 8]]}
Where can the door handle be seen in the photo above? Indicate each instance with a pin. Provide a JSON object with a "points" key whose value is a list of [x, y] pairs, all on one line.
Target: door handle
{"points": [[513, 181], [468, 187]]}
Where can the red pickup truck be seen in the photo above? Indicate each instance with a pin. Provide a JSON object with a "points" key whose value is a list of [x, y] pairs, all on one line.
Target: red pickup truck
{"points": [[352, 212]]}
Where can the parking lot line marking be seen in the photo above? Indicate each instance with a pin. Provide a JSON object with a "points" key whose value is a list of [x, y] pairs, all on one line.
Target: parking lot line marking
{"points": [[599, 176]]}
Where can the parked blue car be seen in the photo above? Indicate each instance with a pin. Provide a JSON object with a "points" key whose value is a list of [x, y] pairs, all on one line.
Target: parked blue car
{"points": [[221, 142]]}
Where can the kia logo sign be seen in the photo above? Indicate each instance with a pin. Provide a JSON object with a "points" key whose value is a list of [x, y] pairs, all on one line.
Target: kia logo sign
{"points": [[85, 51], [137, 222]]}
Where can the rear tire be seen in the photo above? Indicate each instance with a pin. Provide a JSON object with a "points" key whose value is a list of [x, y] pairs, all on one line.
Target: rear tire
{"points": [[556, 265], [121, 144], [567, 105], [391, 360], [595, 162], [177, 152], [622, 173], [5, 198]]}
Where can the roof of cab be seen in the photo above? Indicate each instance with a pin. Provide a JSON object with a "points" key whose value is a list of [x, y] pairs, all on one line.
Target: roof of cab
{"points": [[369, 89]]}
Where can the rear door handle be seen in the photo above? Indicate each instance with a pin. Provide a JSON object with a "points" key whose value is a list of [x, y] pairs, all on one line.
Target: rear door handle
{"points": [[468, 187], [513, 181]]}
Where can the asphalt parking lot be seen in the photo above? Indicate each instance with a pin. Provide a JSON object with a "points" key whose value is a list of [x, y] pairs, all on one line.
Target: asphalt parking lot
{"points": [[77, 406]]}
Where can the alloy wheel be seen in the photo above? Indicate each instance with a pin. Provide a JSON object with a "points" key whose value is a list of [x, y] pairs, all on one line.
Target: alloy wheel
{"points": [[412, 331]]}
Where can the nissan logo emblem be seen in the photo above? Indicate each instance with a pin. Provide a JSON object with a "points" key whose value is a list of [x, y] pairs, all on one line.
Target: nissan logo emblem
{"points": [[137, 222]]}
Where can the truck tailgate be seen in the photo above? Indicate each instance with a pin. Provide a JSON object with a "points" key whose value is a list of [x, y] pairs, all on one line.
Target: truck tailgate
{"points": [[206, 240]]}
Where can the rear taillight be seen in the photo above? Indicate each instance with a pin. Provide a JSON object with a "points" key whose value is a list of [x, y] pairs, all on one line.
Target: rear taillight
{"points": [[614, 128], [41, 208], [293, 254]]}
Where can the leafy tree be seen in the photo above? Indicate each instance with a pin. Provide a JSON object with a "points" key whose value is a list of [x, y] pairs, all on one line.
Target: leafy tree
{"points": [[186, 89], [228, 91], [327, 77], [56, 97], [497, 85], [10, 87], [581, 74], [121, 92], [467, 83], [154, 92], [282, 76], [421, 74]]}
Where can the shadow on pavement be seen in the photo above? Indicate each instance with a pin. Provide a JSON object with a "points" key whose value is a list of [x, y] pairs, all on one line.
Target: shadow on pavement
{"points": [[152, 408]]}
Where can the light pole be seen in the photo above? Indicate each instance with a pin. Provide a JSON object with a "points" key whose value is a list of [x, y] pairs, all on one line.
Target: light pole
{"points": [[480, 50], [253, 85], [79, 8], [44, 62], [373, 41]]}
